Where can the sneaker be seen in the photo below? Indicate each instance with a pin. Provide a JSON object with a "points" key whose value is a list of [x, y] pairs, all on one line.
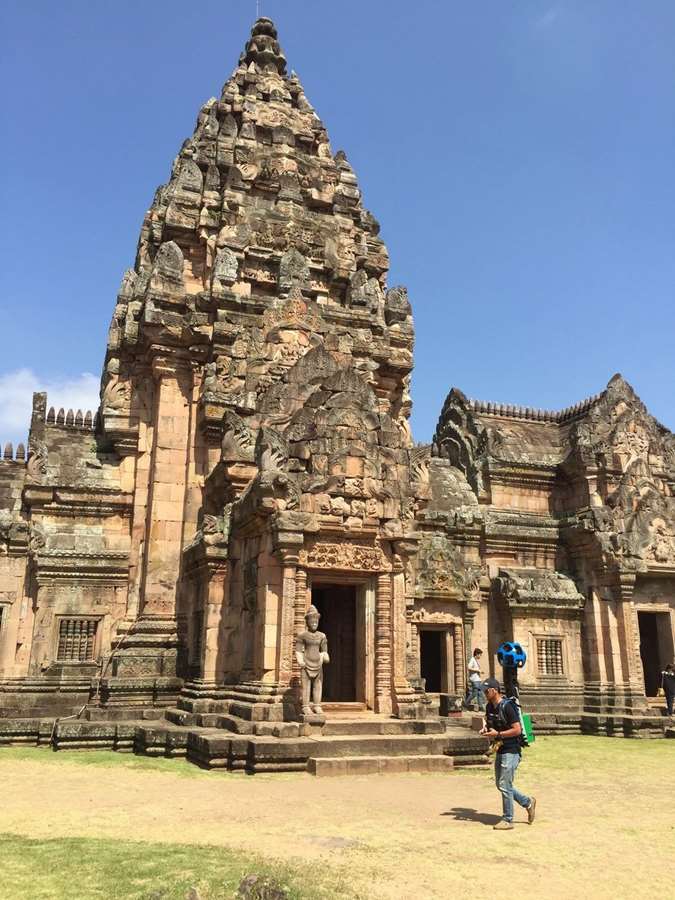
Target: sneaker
{"points": [[503, 825], [531, 810]]}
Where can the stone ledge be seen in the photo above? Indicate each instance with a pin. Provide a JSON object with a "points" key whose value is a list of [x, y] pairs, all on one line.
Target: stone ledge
{"points": [[377, 765]]}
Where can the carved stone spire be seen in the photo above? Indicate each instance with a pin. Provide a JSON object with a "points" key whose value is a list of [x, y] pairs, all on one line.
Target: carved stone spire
{"points": [[263, 50]]}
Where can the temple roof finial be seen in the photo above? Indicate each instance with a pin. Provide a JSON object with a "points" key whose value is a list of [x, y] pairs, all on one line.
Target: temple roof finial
{"points": [[262, 48]]}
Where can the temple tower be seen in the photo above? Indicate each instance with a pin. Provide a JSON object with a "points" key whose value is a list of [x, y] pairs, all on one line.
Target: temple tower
{"points": [[254, 348]]}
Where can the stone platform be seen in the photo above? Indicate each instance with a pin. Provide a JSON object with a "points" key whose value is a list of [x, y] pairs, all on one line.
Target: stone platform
{"points": [[344, 745]]}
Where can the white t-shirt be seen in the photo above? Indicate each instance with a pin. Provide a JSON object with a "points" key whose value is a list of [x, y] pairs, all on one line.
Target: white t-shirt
{"points": [[474, 669]]}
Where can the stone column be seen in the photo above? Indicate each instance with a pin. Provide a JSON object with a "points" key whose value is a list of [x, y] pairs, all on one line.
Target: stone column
{"points": [[214, 604], [404, 696], [460, 661], [164, 524], [286, 633], [469, 618], [383, 645], [629, 633], [450, 662], [299, 609], [141, 492]]}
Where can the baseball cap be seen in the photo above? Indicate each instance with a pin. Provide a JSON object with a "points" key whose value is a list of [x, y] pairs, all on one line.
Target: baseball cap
{"points": [[491, 683]]}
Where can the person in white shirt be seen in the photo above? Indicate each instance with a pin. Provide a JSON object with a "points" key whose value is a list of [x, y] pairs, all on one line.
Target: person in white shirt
{"points": [[475, 685]]}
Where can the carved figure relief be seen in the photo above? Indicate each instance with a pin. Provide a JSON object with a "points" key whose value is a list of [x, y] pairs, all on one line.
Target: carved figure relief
{"points": [[327, 555]]}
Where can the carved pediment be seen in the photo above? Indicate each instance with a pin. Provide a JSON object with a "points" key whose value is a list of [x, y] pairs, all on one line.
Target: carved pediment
{"points": [[460, 440], [618, 430], [442, 570], [539, 588]]}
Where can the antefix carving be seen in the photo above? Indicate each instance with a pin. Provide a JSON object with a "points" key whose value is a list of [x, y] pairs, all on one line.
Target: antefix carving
{"points": [[345, 556]]}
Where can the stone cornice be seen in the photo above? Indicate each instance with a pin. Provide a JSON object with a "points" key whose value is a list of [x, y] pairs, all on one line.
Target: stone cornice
{"points": [[73, 565], [77, 501]]}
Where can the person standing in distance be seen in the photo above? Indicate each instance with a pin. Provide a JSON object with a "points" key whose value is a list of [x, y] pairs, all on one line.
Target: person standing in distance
{"points": [[503, 726], [668, 685]]}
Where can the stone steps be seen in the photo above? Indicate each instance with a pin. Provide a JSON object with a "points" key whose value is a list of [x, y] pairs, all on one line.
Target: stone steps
{"points": [[324, 766], [382, 726], [607, 724], [80, 734]]}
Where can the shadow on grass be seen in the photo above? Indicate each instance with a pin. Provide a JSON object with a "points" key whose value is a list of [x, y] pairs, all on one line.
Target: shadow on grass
{"points": [[465, 814]]}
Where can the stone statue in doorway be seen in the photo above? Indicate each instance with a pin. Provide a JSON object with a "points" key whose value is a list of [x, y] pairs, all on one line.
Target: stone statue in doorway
{"points": [[311, 652]]}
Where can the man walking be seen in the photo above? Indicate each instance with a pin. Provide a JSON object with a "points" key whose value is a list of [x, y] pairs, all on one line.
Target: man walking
{"points": [[475, 686], [504, 728]]}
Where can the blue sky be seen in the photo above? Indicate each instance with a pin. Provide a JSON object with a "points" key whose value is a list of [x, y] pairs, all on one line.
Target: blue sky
{"points": [[519, 156]]}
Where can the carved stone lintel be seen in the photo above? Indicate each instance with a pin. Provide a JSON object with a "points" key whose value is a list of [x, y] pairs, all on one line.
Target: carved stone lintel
{"points": [[344, 557]]}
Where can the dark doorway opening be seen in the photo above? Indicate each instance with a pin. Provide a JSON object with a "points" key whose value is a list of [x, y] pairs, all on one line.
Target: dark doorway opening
{"points": [[337, 606], [652, 664], [431, 660]]}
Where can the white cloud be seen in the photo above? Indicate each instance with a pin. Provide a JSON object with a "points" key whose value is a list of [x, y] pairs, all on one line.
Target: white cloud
{"points": [[16, 398], [548, 19]]}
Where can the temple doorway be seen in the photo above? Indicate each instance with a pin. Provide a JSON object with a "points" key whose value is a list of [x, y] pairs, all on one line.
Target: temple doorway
{"points": [[655, 647], [437, 659], [431, 660], [337, 604]]}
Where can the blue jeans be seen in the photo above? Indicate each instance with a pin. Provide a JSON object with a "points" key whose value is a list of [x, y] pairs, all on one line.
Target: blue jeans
{"points": [[505, 770], [476, 693]]}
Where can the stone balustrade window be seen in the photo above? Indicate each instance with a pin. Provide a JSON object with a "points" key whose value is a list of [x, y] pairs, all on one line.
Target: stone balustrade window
{"points": [[77, 640], [550, 656]]}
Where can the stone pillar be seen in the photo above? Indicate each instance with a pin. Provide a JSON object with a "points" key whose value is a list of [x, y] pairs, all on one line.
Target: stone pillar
{"points": [[286, 631], [450, 662], [299, 609], [214, 604], [383, 647], [595, 668], [469, 618], [404, 696], [629, 634], [142, 461], [164, 524], [460, 661]]}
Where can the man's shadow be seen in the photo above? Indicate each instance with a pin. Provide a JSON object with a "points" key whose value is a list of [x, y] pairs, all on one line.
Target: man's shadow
{"points": [[464, 814]]}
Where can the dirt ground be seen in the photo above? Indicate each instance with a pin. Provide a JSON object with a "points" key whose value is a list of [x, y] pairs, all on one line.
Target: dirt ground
{"points": [[605, 825]]}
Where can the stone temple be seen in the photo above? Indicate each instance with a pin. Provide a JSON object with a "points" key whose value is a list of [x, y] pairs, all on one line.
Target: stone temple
{"points": [[252, 455]]}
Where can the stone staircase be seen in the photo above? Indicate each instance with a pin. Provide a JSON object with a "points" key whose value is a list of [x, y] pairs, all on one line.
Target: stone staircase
{"points": [[365, 743]]}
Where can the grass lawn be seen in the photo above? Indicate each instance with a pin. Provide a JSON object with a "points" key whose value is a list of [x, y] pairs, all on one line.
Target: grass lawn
{"points": [[116, 869], [105, 825]]}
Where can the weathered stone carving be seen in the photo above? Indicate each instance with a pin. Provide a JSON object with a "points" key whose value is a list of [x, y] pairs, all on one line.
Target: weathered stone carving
{"points": [[538, 588], [441, 570], [169, 262], [312, 654], [225, 268], [36, 466], [460, 440], [237, 443], [116, 395], [344, 557], [364, 291], [397, 307], [293, 271], [271, 449]]}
